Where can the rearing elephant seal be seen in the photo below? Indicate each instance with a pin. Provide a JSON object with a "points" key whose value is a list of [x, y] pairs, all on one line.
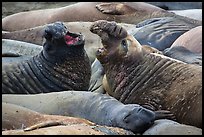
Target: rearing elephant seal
{"points": [[62, 65], [136, 74]]}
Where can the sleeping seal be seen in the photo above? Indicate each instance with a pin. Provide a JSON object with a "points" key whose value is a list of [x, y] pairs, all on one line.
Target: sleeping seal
{"points": [[62, 65], [98, 108], [123, 12], [136, 74]]}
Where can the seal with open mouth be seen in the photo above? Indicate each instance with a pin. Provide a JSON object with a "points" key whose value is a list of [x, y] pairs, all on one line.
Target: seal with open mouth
{"points": [[141, 75], [62, 65]]}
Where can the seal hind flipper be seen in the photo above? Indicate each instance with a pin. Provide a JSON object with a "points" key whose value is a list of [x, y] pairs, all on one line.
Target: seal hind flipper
{"points": [[114, 8]]}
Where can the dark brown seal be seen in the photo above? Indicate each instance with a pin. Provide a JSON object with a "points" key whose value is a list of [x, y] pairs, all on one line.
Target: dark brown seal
{"points": [[62, 65], [136, 75]]}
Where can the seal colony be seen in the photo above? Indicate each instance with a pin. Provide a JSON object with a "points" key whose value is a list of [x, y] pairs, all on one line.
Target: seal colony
{"points": [[136, 74], [62, 65]]}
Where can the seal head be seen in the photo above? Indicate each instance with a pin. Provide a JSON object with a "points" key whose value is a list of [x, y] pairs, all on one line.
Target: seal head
{"points": [[60, 42], [134, 117]]}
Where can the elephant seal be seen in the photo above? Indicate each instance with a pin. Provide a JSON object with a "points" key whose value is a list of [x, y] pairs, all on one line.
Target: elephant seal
{"points": [[136, 75], [169, 127], [190, 13], [97, 73], [98, 108], [183, 54], [18, 117], [126, 12], [35, 35], [17, 51], [192, 40], [20, 120], [161, 33], [177, 5], [62, 65]]}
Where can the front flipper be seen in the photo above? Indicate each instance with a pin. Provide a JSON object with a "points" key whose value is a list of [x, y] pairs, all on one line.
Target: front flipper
{"points": [[115, 8], [164, 114]]}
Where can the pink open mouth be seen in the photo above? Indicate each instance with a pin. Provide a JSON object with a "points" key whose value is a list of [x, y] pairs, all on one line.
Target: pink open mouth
{"points": [[71, 40]]}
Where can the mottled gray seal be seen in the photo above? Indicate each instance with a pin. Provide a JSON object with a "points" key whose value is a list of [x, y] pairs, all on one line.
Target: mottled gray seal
{"points": [[62, 65], [98, 108], [136, 75], [16, 51], [20, 120], [161, 33], [126, 12]]}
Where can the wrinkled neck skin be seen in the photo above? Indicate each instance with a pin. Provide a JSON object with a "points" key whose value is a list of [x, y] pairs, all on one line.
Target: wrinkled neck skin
{"points": [[61, 54], [129, 79]]}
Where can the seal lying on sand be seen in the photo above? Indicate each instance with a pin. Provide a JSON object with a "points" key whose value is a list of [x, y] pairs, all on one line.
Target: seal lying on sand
{"points": [[126, 12], [136, 75], [99, 108], [62, 65], [26, 121]]}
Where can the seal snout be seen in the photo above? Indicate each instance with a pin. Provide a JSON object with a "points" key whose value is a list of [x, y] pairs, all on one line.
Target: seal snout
{"points": [[56, 30], [142, 118]]}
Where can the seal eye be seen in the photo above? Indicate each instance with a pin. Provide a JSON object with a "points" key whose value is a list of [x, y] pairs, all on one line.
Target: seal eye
{"points": [[124, 45]]}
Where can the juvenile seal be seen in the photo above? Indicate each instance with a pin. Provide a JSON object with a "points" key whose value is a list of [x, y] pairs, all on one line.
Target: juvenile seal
{"points": [[136, 75], [62, 65], [98, 108], [126, 12], [20, 120]]}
